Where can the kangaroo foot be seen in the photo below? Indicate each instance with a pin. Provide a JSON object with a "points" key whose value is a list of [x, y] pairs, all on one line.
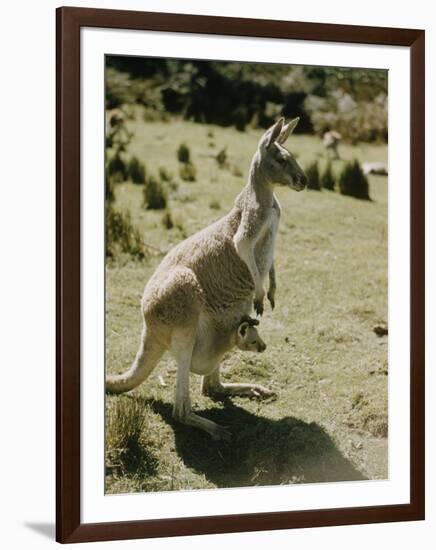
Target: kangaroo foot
{"points": [[243, 390], [217, 432], [221, 433], [255, 390]]}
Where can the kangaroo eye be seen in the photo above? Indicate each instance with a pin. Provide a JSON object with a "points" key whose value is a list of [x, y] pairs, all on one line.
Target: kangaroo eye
{"points": [[254, 342]]}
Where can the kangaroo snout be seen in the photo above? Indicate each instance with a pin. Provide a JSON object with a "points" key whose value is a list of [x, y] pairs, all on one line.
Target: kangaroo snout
{"points": [[261, 347], [301, 182]]}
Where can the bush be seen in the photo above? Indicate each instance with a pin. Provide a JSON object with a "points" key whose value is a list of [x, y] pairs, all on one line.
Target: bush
{"points": [[155, 196], [188, 172], [214, 205], [167, 220], [327, 178], [240, 118], [353, 182], [236, 171], [118, 89], [313, 180], [352, 101], [183, 153], [172, 185], [109, 194], [136, 170], [165, 175], [221, 158], [116, 167], [130, 447], [354, 120], [122, 236]]}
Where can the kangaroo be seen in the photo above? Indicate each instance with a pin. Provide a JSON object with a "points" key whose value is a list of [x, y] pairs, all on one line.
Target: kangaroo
{"points": [[255, 238], [208, 353], [206, 283], [331, 140], [246, 338]]}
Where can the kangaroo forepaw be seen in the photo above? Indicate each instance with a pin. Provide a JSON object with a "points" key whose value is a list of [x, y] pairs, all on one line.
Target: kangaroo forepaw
{"points": [[270, 297], [258, 306]]}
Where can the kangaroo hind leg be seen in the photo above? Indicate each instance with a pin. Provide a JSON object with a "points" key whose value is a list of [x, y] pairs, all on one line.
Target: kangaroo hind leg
{"points": [[182, 346]]}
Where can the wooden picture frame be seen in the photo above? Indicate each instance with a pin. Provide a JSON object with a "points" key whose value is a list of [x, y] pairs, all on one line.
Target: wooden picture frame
{"points": [[68, 519]]}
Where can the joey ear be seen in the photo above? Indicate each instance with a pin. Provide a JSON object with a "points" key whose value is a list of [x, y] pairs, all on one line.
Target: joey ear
{"points": [[271, 135], [243, 329], [288, 129]]}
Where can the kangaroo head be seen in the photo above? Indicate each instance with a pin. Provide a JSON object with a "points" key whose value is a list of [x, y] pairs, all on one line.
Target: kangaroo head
{"points": [[276, 164], [248, 339]]}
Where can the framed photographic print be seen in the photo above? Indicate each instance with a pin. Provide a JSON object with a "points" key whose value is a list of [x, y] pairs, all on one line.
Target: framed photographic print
{"points": [[240, 270]]}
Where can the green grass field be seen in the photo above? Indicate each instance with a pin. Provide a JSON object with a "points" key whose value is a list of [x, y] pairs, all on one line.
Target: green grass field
{"points": [[328, 367]]}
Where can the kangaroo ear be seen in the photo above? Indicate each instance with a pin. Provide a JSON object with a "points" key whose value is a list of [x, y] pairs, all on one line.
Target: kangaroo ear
{"points": [[288, 129], [243, 329], [271, 135]]}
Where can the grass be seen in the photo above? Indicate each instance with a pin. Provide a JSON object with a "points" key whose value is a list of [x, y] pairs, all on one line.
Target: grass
{"points": [[329, 421]]}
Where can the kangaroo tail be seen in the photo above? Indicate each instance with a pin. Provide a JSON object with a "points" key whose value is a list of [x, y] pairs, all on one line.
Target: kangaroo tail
{"points": [[146, 359]]}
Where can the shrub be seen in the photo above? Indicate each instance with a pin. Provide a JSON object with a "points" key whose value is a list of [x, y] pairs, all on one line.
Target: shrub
{"points": [[236, 171], [116, 167], [165, 175], [136, 170], [188, 172], [183, 153], [167, 220], [154, 114], [155, 196], [221, 158], [119, 90], [313, 180], [327, 178], [172, 185], [130, 448], [122, 236], [355, 120], [353, 182], [239, 116], [109, 194], [214, 204]]}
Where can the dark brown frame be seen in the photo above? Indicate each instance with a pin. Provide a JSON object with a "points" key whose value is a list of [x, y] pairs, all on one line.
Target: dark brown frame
{"points": [[68, 24]]}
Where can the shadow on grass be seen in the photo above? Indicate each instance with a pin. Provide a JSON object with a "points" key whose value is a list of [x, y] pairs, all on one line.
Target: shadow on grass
{"points": [[262, 451]]}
